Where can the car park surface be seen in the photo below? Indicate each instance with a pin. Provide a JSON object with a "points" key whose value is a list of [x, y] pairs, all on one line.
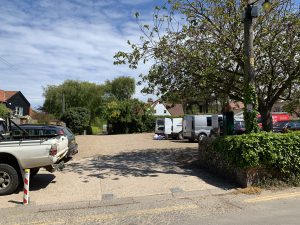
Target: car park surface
{"points": [[120, 166]]}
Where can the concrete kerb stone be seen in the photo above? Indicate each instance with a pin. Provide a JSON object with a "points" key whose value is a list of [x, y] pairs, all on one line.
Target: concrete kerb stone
{"points": [[115, 202], [33, 208], [200, 193]]}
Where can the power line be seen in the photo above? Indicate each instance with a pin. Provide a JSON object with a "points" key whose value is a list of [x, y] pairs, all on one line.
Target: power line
{"points": [[11, 66]]}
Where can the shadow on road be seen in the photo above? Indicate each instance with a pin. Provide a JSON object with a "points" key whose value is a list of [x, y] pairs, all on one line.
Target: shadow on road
{"points": [[38, 182], [41, 181], [146, 163]]}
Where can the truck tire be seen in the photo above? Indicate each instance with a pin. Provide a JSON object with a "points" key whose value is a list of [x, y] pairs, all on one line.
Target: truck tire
{"points": [[201, 136], [180, 136], [9, 179]]}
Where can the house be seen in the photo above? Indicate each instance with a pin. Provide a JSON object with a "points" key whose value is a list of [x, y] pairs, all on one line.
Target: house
{"points": [[166, 109], [15, 101]]}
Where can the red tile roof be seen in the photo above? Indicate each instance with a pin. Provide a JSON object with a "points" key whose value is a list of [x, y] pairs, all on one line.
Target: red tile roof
{"points": [[175, 109], [5, 95]]}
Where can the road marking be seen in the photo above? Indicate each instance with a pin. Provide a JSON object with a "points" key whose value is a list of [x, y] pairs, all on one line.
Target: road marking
{"points": [[273, 197]]}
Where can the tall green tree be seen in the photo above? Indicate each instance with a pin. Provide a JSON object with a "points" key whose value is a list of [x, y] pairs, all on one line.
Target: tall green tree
{"points": [[198, 48], [129, 116], [72, 94], [122, 88]]}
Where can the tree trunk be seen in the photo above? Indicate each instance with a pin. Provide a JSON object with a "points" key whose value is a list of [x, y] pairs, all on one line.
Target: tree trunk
{"points": [[266, 118]]}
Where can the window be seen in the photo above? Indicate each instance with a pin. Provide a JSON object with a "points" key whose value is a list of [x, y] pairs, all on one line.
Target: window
{"points": [[165, 111], [19, 111], [209, 121]]}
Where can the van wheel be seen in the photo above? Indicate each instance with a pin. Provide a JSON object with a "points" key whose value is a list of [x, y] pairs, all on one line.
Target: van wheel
{"points": [[201, 136], [9, 179], [180, 136]]}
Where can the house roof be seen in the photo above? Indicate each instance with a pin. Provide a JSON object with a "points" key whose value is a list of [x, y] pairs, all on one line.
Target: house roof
{"points": [[5, 95], [175, 109], [236, 105]]}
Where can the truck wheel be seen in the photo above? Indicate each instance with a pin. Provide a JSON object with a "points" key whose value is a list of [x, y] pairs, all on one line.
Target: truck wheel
{"points": [[201, 136], [180, 136], [9, 179]]}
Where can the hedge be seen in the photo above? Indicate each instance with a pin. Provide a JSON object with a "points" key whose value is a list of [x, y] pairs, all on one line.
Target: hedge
{"points": [[275, 151]]}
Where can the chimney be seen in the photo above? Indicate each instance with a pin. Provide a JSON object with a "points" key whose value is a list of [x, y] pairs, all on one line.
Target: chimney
{"points": [[150, 100]]}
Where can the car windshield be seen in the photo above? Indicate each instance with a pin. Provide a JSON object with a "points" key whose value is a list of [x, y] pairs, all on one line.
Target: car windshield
{"points": [[160, 122], [280, 124]]}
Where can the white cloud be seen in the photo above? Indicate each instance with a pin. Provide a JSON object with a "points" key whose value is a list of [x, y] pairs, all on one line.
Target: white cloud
{"points": [[48, 42]]}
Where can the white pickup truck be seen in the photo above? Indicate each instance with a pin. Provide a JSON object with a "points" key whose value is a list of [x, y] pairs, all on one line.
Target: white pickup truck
{"points": [[17, 155]]}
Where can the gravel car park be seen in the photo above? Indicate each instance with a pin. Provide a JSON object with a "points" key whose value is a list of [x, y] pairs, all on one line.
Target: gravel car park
{"points": [[120, 166]]}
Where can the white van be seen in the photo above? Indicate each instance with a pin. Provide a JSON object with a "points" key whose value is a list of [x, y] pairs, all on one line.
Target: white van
{"points": [[176, 131], [169, 127], [197, 126]]}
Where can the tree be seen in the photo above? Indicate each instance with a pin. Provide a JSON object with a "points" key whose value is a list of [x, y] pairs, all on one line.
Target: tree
{"points": [[122, 88], [129, 116], [293, 106], [73, 94], [201, 53], [77, 119], [4, 111]]}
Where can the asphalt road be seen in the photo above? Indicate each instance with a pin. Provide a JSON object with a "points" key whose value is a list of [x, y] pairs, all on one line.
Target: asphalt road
{"points": [[271, 208]]}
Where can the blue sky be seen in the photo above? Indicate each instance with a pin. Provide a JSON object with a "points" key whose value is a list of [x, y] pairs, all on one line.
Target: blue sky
{"points": [[44, 42]]}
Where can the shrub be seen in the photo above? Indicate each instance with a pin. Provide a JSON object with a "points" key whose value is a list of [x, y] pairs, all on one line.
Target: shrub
{"points": [[77, 119], [4, 111], [278, 152]]}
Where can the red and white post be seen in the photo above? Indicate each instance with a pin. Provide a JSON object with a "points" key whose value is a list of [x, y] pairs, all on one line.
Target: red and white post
{"points": [[26, 187]]}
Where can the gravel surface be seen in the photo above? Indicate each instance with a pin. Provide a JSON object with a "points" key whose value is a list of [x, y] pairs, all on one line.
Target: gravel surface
{"points": [[120, 166], [90, 146]]}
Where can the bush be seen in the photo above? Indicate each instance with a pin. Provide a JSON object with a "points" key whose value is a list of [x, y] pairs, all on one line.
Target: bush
{"points": [[278, 152], [95, 130], [4, 111], [77, 119]]}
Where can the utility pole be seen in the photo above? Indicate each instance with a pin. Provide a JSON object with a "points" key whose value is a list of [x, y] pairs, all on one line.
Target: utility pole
{"points": [[248, 37], [63, 103], [250, 96]]}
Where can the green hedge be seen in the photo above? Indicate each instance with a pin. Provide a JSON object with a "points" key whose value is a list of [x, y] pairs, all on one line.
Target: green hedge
{"points": [[278, 152]]}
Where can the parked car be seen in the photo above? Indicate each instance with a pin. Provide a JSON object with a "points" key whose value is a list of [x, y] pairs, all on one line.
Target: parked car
{"points": [[34, 130], [285, 126], [280, 126], [239, 127]]}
